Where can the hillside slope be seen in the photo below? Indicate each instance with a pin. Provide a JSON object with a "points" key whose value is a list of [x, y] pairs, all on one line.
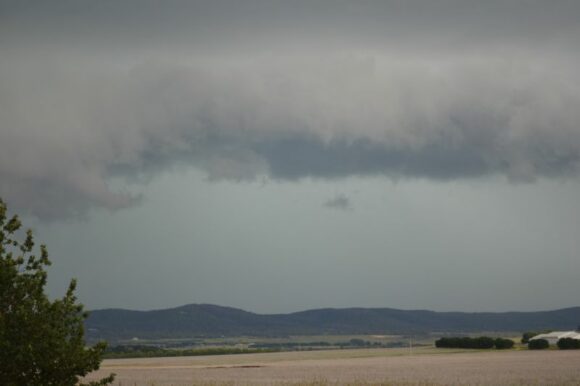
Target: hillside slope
{"points": [[207, 320]]}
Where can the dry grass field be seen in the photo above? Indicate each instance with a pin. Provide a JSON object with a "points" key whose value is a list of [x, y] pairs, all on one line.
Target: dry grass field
{"points": [[389, 367]]}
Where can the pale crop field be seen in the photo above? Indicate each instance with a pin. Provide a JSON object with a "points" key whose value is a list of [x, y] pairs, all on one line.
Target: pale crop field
{"points": [[389, 367]]}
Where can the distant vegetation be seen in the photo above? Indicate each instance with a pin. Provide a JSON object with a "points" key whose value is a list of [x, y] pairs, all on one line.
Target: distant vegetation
{"points": [[352, 343], [503, 344], [568, 344], [152, 351], [175, 349], [538, 344], [482, 342]]}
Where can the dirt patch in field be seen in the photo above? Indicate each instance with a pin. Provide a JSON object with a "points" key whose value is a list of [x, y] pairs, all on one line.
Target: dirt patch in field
{"points": [[386, 367], [234, 367]]}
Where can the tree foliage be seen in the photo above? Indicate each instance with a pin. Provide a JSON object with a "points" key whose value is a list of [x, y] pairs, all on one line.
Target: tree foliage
{"points": [[41, 341], [568, 344], [503, 344], [482, 342], [538, 344]]}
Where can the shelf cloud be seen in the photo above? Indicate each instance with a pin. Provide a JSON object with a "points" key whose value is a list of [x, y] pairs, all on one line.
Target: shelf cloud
{"points": [[439, 90]]}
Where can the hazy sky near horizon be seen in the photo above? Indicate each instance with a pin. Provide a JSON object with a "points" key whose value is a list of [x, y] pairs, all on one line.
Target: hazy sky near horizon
{"points": [[283, 155]]}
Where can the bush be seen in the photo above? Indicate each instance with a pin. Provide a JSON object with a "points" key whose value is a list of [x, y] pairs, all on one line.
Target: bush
{"points": [[568, 344], [482, 342], [538, 344], [503, 344]]}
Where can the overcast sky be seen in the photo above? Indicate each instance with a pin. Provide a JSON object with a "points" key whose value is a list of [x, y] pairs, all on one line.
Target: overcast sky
{"points": [[283, 155]]}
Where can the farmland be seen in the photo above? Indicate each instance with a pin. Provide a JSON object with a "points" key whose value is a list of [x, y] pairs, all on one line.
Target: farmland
{"points": [[401, 366]]}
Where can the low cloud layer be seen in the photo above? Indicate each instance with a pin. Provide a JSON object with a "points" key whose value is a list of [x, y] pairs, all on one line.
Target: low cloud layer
{"points": [[74, 116]]}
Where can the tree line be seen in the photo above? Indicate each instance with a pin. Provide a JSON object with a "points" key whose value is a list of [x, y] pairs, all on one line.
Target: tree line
{"points": [[482, 342], [540, 344]]}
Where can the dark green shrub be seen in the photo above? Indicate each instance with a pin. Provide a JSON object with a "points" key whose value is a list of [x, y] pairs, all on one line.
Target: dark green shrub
{"points": [[452, 342], [441, 343], [568, 344], [482, 342], [503, 344], [538, 344]]}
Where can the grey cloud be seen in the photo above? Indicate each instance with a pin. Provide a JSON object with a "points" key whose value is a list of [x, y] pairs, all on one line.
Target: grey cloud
{"points": [[300, 157], [270, 24], [340, 202], [78, 110]]}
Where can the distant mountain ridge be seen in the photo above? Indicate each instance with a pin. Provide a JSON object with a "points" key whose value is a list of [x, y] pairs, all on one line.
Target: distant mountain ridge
{"points": [[207, 320]]}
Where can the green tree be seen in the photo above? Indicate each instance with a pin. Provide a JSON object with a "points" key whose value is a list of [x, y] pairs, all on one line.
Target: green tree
{"points": [[538, 344], [503, 344], [568, 344], [41, 341]]}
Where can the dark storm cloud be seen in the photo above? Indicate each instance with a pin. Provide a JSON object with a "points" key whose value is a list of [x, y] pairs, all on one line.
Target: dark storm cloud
{"points": [[296, 158], [290, 89], [227, 24]]}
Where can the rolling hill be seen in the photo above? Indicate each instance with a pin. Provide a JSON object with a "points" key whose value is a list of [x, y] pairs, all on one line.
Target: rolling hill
{"points": [[197, 320]]}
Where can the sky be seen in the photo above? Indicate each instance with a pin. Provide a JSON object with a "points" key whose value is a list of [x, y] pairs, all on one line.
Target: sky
{"points": [[278, 156]]}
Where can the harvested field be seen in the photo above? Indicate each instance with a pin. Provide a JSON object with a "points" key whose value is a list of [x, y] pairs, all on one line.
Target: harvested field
{"points": [[425, 366]]}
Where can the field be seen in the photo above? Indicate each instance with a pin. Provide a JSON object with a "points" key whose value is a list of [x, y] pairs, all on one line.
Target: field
{"points": [[421, 366]]}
